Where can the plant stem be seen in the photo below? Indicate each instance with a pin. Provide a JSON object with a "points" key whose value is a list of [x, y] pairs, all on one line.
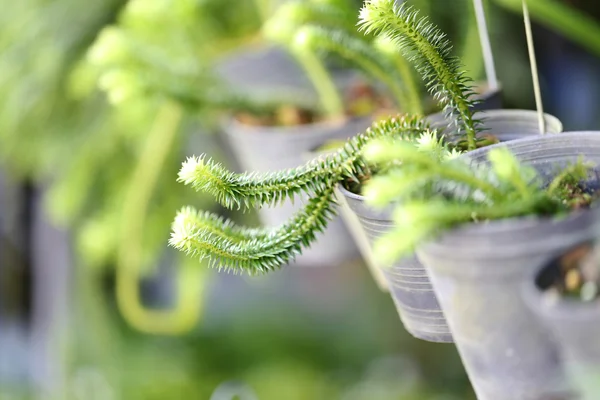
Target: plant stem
{"points": [[323, 83], [468, 179], [143, 183]]}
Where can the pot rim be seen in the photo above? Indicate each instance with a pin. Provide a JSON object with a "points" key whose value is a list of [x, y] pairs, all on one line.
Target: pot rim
{"points": [[506, 114], [349, 194], [509, 224]]}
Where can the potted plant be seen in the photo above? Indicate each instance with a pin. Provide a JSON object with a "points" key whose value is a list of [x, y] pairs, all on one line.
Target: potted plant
{"points": [[442, 74], [410, 285], [481, 224], [564, 295], [312, 31]]}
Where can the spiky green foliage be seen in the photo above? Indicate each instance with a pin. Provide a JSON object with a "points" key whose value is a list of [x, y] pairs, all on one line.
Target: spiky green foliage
{"points": [[252, 250], [129, 68], [435, 191], [254, 189], [431, 52]]}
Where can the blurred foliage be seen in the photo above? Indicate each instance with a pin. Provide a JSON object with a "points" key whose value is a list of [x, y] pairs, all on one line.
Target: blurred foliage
{"points": [[574, 24], [358, 351], [57, 129]]}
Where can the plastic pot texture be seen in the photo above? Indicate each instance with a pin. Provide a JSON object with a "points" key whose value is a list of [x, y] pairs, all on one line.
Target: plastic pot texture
{"points": [[265, 149], [407, 280], [477, 271], [574, 324], [504, 124]]}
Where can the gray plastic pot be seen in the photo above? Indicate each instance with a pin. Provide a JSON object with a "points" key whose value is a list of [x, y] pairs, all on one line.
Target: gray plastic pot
{"points": [[504, 124], [265, 149], [478, 270], [407, 279], [574, 324]]}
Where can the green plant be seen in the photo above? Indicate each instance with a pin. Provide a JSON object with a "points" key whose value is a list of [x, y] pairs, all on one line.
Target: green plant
{"points": [[431, 52], [256, 250], [107, 191], [435, 191], [315, 30]]}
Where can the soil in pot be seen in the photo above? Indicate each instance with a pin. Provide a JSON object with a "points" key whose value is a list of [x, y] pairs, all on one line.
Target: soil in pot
{"points": [[361, 98]]}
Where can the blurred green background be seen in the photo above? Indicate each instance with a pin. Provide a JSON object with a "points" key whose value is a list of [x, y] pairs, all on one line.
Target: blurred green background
{"points": [[87, 186]]}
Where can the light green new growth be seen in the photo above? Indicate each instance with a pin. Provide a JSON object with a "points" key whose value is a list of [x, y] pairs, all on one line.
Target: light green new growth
{"points": [[435, 193], [254, 189], [257, 250], [253, 251], [431, 52]]}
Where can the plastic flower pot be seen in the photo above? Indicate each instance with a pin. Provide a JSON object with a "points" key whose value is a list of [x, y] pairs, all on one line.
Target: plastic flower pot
{"points": [[407, 280], [266, 149], [574, 324], [504, 124], [477, 271]]}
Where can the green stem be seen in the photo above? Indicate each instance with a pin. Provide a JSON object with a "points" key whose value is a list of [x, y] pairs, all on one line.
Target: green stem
{"points": [[500, 211], [467, 178], [432, 54], [129, 262], [323, 83]]}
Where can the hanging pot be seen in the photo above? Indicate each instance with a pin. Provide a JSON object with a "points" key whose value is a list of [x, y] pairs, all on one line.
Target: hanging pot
{"points": [[264, 149], [574, 324], [504, 124], [407, 279], [477, 271]]}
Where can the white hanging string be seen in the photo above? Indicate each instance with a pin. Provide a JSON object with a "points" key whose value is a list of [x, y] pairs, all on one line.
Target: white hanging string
{"points": [[534, 69], [486, 47]]}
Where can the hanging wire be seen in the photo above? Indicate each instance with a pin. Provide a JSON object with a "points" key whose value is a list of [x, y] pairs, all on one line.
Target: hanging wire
{"points": [[534, 69], [486, 47]]}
